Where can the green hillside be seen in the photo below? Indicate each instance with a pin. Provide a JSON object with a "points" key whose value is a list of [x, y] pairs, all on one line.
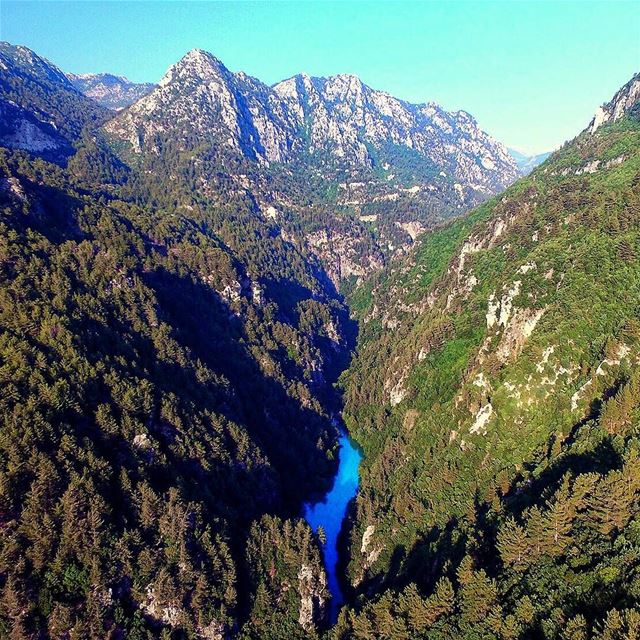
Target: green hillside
{"points": [[495, 395]]}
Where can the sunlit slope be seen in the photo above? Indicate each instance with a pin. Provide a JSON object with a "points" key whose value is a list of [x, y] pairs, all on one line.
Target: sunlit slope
{"points": [[501, 332]]}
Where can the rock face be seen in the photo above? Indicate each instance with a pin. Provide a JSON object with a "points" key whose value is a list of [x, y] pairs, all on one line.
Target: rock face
{"points": [[27, 132], [112, 92], [342, 256], [312, 587], [622, 102], [348, 119]]}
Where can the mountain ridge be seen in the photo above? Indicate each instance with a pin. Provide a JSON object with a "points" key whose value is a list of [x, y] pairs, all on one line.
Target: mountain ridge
{"points": [[386, 181], [275, 143], [624, 99]]}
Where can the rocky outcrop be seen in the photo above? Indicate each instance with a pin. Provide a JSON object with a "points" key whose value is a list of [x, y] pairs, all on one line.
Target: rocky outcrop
{"points": [[170, 613], [370, 552], [342, 255], [621, 103], [312, 587], [24, 131]]}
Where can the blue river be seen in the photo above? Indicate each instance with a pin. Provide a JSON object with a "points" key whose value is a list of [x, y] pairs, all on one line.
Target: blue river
{"points": [[330, 513]]}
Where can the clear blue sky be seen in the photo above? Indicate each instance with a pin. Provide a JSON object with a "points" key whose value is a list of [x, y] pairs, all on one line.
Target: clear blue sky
{"points": [[532, 73]]}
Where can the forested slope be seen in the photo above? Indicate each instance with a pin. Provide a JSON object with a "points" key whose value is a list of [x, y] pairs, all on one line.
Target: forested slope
{"points": [[156, 398], [40, 110], [166, 362], [495, 395]]}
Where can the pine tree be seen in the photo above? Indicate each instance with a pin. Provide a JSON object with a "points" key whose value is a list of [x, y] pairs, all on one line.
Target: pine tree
{"points": [[537, 532], [513, 545], [525, 611], [576, 629], [422, 613], [478, 593], [511, 629], [382, 617], [15, 606], [441, 601], [560, 515], [609, 507], [612, 628], [364, 629]]}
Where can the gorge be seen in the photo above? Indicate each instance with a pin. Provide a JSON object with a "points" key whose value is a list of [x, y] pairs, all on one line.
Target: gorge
{"points": [[185, 281]]}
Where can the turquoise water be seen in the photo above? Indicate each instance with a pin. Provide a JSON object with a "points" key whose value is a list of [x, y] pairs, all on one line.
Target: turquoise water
{"points": [[330, 513]]}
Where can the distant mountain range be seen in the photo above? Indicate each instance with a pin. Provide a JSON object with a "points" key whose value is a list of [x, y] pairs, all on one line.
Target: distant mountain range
{"points": [[335, 126], [113, 92], [527, 163]]}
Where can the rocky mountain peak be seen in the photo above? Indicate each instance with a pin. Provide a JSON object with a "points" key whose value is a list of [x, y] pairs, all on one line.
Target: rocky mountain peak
{"points": [[345, 86], [196, 64], [200, 99], [296, 87], [108, 78], [622, 102], [346, 114]]}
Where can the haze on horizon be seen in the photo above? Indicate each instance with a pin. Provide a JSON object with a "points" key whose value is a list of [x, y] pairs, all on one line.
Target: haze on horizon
{"points": [[475, 56]]}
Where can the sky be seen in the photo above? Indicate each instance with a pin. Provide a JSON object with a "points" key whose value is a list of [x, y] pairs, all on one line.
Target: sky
{"points": [[531, 72]]}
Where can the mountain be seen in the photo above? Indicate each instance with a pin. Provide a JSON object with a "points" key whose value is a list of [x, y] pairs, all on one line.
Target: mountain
{"points": [[41, 111], [112, 92], [526, 163], [495, 395], [350, 120], [339, 116], [362, 172], [354, 174]]}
